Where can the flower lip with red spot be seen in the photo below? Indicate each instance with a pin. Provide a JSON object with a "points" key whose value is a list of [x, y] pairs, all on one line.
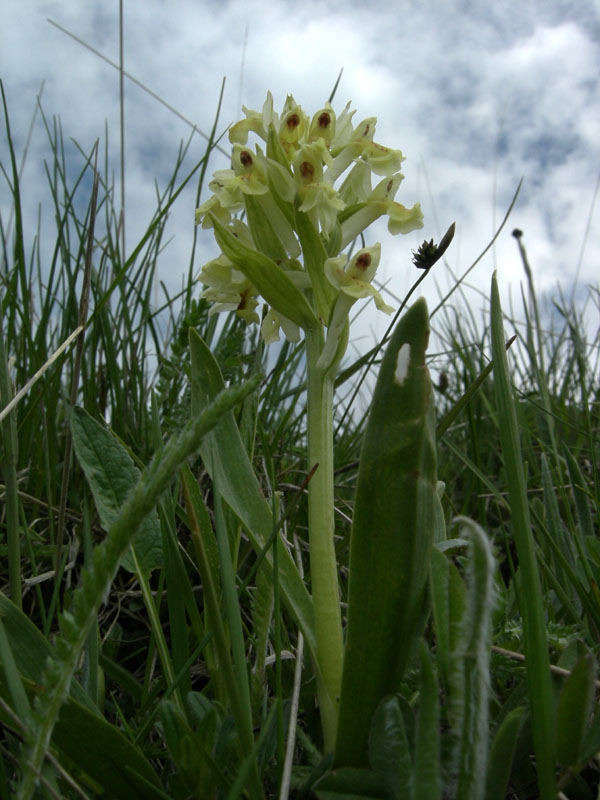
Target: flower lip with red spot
{"points": [[363, 261], [307, 170]]}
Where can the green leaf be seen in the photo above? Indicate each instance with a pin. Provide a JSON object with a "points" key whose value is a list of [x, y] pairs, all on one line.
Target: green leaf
{"points": [[271, 281], [502, 754], [226, 460], [574, 710], [262, 614], [392, 534], [315, 255], [265, 237], [389, 751], [591, 743], [105, 754], [111, 475]]}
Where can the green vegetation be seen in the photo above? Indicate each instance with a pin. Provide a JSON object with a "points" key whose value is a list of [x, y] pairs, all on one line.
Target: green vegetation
{"points": [[192, 670]]}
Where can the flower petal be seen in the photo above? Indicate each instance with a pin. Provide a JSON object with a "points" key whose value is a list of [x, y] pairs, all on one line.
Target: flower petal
{"points": [[404, 220]]}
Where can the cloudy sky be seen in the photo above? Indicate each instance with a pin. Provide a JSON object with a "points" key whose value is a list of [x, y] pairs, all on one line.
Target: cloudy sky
{"points": [[475, 94]]}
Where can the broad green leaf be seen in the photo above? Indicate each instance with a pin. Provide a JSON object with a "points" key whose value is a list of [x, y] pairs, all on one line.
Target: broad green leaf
{"points": [[501, 755], [392, 534], [105, 754], [574, 710], [389, 750], [226, 460], [111, 475]]}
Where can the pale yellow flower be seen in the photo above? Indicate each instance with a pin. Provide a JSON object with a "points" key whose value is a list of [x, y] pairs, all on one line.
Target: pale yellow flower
{"points": [[354, 277], [319, 198], [229, 289]]}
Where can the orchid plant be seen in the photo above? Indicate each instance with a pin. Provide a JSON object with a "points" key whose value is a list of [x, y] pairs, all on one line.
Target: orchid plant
{"points": [[284, 216]]}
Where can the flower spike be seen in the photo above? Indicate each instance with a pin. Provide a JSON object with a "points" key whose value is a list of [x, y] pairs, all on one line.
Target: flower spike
{"points": [[303, 200]]}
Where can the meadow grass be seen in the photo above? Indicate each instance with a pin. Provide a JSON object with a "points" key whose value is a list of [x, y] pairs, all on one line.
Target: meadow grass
{"points": [[186, 672]]}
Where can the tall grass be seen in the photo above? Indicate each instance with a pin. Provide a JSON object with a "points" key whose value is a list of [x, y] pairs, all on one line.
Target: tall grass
{"points": [[185, 675]]}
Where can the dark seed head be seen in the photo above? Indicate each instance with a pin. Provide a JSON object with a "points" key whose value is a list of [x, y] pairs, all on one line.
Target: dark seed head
{"points": [[428, 253]]}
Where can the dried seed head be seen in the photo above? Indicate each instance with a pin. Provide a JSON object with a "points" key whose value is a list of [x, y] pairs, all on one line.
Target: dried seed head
{"points": [[428, 253]]}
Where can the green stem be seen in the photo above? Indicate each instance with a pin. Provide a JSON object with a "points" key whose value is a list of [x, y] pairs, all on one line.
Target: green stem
{"points": [[323, 564]]}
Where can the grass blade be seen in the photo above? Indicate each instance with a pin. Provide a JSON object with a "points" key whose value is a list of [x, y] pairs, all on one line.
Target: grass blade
{"points": [[530, 595]]}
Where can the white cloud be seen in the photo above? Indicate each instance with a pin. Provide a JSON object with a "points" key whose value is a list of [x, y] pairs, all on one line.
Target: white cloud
{"points": [[475, 94]]}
